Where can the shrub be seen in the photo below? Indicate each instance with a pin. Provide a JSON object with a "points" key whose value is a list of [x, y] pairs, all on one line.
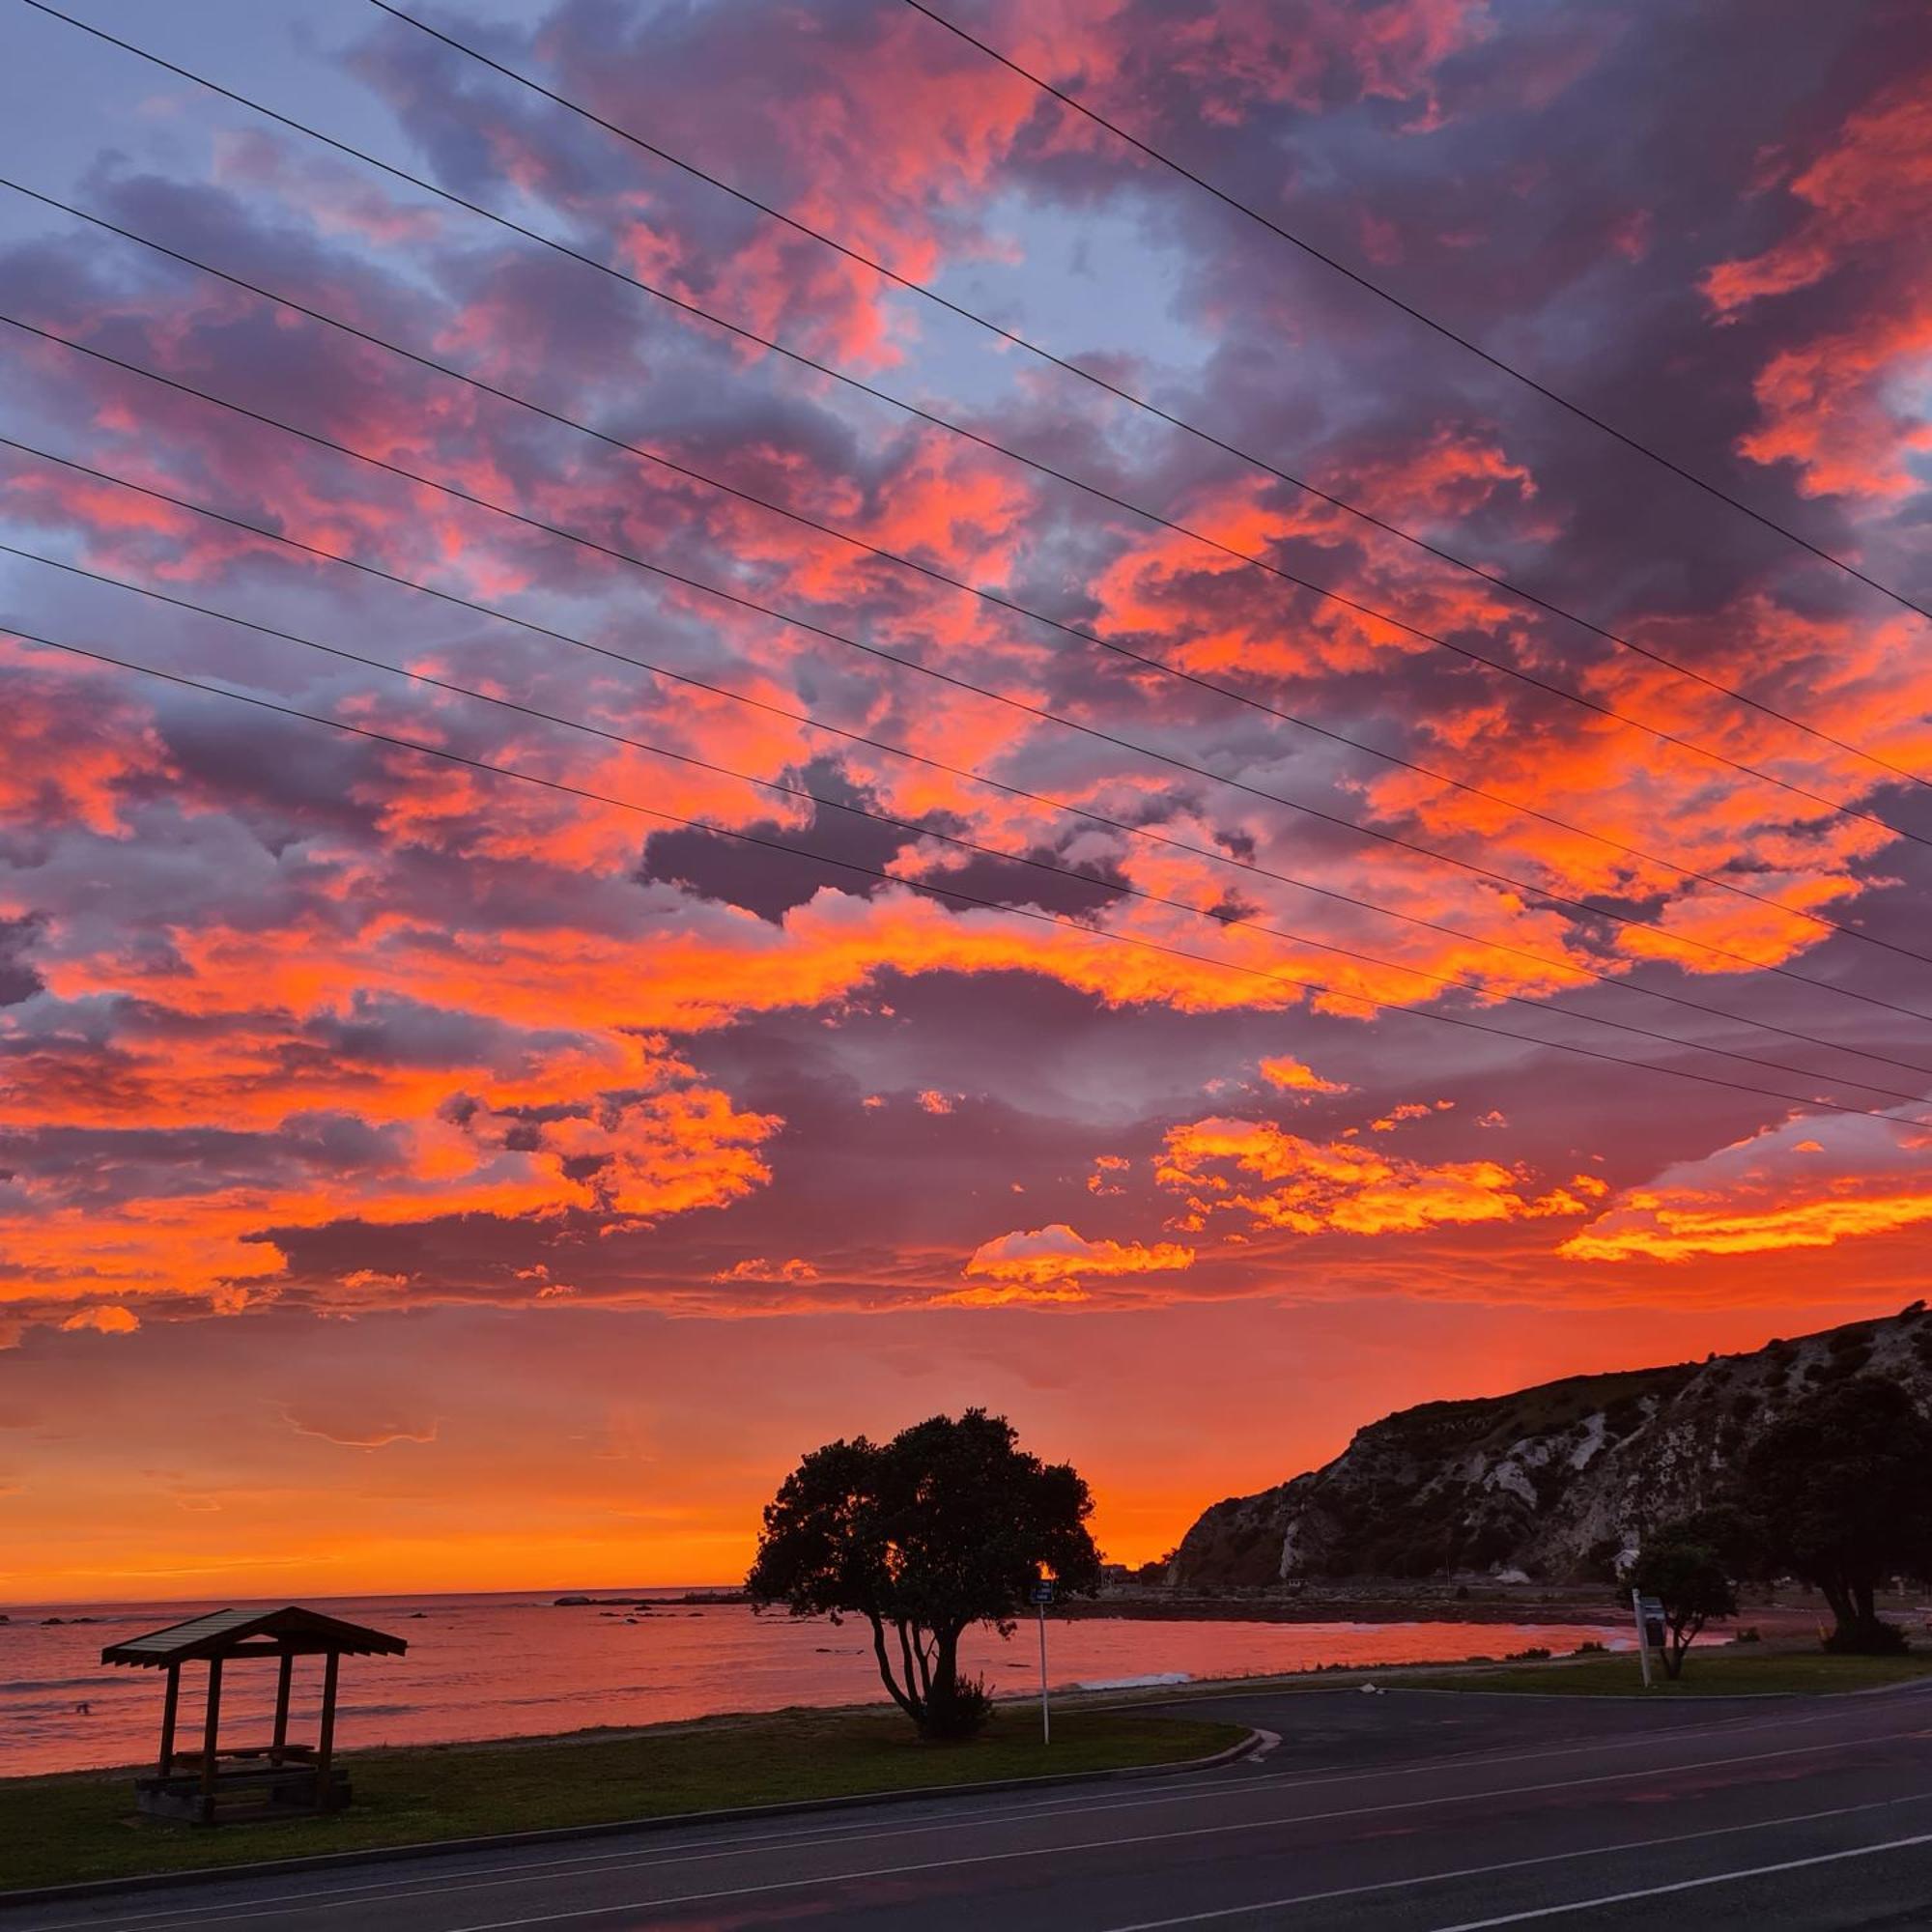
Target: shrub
{"points": [[1590, 1647], [961, 1713], [1536, 1654], [1873, 1639]]}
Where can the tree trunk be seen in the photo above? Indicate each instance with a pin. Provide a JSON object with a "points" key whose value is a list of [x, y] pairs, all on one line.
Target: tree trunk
{"points": [[886, 1677], [1839, 1598], [945, 1663], [917, 1689]]}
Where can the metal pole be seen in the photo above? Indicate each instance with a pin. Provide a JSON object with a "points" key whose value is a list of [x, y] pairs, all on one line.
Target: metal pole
{"points": [[1642, 1637], [1045, 1709]]}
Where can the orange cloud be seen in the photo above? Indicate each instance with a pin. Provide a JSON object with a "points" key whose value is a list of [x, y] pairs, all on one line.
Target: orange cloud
{"points": [[1836, 404], [1341, 1186], [364, 1421], [1056, 1259], [1290, 1074], [1801, 1184], [758, 1269], [635, 1157], [104, 1319], [61, 760]]}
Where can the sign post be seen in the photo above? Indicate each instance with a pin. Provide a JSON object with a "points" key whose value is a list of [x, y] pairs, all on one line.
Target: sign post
{"points": [[1649, 1628], [1043, 1595]]}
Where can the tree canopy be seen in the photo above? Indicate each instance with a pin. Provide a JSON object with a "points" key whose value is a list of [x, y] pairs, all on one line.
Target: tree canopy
{"points": [[948, 1524], [1692, 1581], [1839, 1490]]}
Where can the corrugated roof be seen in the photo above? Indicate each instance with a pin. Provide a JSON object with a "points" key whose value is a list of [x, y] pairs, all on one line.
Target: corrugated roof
{"points": [[217, 1633]]}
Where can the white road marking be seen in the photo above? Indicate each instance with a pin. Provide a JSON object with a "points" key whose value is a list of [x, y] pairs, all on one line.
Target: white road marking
{"points": [[1511, 1864], [1122, 1843], [806, 1837], [1689, 1884]]}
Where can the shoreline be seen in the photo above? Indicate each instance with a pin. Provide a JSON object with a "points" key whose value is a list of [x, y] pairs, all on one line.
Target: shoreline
{"points": [[1121, 1697]]}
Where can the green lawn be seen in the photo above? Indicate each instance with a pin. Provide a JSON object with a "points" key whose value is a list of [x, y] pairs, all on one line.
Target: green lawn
{"points": [[1716, 1674], [83, 1826]]}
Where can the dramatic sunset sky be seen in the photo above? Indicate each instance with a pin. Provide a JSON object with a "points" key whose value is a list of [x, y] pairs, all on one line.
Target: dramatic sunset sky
{"points": [[413, 1176]]}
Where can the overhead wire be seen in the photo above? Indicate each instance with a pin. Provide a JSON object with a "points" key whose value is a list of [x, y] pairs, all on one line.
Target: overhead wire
{"points": [[1144, 833], [1393, 840], [917, 412], [958, 895], [1124, 394], [1110, 888], [1329, 261], [1681, 869]]}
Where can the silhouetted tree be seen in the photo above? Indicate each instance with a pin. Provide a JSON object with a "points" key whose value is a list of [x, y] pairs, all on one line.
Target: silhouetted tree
{"points": [[1693, 1583], [1841, 1491], [948, 1524]]}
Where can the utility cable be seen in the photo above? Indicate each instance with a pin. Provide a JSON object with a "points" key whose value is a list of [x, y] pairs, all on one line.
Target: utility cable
{"points": [[1441, 329], [921, 828], [1124, 394], [1080, 632], [950, 893], [1144, 833], [1394, 840], [920, 414]]}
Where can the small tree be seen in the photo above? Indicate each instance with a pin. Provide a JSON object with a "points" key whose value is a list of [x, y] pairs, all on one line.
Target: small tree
{"points": [[948, 1524], [1840, 1491], [1690, 1580]]}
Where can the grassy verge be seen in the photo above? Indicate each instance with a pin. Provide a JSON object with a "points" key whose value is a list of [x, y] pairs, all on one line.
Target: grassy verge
{"points": [[1725, 1673], [83, 1826]]}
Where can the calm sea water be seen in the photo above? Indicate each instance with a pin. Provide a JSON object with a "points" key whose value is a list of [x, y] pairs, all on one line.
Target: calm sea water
{"points": [[513, 1665]]}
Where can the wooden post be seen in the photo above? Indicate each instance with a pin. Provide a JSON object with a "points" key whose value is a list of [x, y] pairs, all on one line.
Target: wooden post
{"points": [[324, 1787], [280, 1744], [169, 1708], [210, 1731]]}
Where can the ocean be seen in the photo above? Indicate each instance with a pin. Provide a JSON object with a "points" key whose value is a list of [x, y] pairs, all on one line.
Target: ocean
{"points": [[516, 1664]]}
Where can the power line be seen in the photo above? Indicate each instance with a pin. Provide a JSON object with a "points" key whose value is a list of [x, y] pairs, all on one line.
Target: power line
{"points": [[1441, 329], [859, 386], [919, 828], [1144, 832], [952, 893], [1138, 401], [1390, 839], [1085, 634]]}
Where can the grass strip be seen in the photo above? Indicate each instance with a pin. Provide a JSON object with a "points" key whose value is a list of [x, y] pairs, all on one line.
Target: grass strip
{"points": [[77, 1826], [1713, 1673]]}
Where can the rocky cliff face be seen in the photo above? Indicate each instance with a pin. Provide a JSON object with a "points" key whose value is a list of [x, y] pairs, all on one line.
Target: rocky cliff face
{"points": [[1556, 1483]]}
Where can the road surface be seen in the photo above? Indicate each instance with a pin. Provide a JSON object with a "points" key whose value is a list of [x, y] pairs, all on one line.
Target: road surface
{"points": [[1406, 1811]]}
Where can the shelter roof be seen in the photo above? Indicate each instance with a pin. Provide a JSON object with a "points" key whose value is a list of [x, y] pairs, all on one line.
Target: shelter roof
{"points": [[254, 1632]]}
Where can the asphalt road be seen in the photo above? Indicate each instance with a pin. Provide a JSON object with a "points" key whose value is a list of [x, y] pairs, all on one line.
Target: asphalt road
{"points": [[1409, 1811]]}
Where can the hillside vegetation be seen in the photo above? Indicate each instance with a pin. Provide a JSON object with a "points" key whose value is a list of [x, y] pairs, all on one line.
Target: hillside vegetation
{"points": [[1556, 1483]]}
